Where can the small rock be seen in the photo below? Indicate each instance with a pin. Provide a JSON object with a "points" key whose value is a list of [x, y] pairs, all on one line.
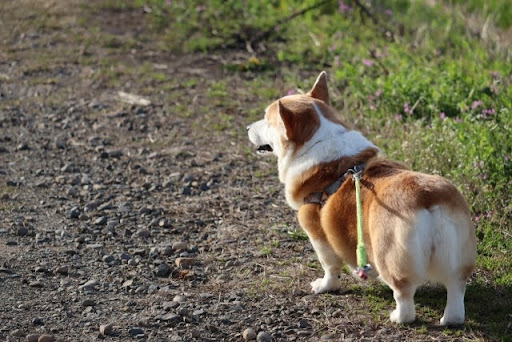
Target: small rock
{"points": [[186, 263], [106, 329], [32, 337], [37, 321], [198, 312], [88, 302], [73, 213], [136, 331], [17, 333], [22, 147], [60, 145], [100, 221], [46, 338], [64, 270], [249, 334], [169, 305], [67, 168], [195, 333], [263, 336], [167, 250], [143, 233], [89, 286], [108, 258], [163, 270], [21, 231], [179, 299], [127, 283], [171, 318], [178, 246], [144, 322], [115, 154], [303, 324], [36, 284]]}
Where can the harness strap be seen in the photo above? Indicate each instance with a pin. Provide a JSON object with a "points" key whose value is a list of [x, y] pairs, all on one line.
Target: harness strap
{"points": [[321, 197]]}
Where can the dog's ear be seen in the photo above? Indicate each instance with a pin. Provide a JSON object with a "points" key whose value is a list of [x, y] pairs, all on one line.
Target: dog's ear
{"points": [[319, 90], [287, 117]]}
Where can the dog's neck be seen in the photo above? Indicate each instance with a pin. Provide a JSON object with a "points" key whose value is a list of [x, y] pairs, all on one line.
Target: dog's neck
{"points": [[331, 143]]}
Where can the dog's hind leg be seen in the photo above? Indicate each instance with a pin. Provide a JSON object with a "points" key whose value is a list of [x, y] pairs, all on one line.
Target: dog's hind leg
{"points": [[454, 310], [403, 292], [331, 263]]}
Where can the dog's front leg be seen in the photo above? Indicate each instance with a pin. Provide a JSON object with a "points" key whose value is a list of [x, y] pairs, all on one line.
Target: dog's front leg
{"points": [[309, 219]]}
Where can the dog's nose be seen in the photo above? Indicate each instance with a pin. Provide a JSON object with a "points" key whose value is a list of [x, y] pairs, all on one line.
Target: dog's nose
{"points": [[248, 127]]}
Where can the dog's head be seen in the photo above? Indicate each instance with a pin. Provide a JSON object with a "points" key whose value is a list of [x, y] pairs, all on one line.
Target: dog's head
{"points": [[294, 121]]}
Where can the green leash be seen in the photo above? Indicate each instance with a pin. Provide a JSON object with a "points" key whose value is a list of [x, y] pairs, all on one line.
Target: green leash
{"points": [[362, 261]]}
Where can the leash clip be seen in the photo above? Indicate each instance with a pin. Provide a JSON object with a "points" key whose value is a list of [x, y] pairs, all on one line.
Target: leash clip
{"points": [[362, 272], [356, 171]]}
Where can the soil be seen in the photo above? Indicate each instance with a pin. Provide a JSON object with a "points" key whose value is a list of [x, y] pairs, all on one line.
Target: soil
{"points": [[133, 222]]}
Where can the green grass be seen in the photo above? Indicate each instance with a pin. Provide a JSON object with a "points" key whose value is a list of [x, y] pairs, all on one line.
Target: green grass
{"points": [[423, 83]]}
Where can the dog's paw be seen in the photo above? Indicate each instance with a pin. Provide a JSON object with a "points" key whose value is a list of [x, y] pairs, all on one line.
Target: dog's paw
{"points": [[454, 320], [401, 317], [325, 284]]}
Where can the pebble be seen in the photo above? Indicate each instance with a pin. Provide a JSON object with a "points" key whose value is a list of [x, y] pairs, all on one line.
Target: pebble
{"points": [[167, 251], [21, 231], [32, 337], [143, 233], [17, 333], [303, 324], [73, 213], [249, 334], [186, 263], [106, 329], [179, 299], [67, 168], [100, 221], [169, 305], [22, 147], [115, 154], [171, 318], [89, 286], [179, 246], [36, 284], [46, 338], [263, 336], [136, 331], [108, 258], [163, 270], [88, 302], [37, 321]]}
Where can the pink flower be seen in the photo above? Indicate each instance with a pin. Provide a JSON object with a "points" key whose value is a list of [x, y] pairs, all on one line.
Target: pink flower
{"points": [[291, 92], [398, 117], [442, 115], [495, 74], [343, 7], [476, 104], [507, 157], [407, 109], [378, 93], [367, 62], [372, 107]]}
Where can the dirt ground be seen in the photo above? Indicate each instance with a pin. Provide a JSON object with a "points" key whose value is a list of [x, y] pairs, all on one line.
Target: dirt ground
{"points": [[140, 222]]}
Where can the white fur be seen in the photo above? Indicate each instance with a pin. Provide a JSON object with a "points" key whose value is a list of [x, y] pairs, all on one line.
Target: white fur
{"points": [[331, 263], [330, 142]]}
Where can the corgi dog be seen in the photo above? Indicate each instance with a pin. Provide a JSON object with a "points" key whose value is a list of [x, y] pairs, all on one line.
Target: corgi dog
{"points": [[417, 227]]}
